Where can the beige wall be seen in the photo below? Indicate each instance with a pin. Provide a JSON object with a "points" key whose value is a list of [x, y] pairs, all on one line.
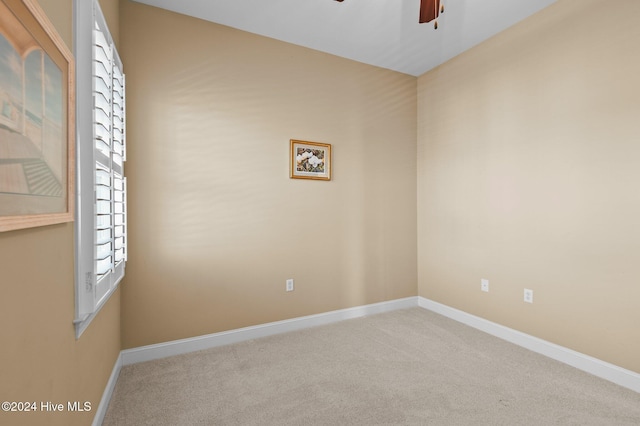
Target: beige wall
{"points": [[60, 13], [40, 359], [216, 225], [528, 176]]}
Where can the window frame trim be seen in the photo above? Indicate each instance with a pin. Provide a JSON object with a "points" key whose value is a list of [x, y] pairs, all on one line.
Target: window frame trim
{"points": [[85, 14]]}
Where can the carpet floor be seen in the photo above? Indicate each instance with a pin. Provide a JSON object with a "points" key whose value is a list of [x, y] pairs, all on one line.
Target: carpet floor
{"points": [[407, 367]]}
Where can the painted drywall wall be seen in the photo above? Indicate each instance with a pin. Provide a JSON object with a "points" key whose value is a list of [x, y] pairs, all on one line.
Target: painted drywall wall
{"points": [[528, 149], [216, 225], [40, 359]]}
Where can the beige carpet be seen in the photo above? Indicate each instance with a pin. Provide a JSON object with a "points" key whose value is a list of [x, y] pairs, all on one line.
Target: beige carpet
{"points": [[408, 367]]}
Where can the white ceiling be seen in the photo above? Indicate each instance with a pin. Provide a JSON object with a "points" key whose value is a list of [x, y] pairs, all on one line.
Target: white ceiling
{"points": [[384, 33]]}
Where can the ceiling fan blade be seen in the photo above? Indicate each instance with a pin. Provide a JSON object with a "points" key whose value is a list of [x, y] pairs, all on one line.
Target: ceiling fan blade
{"points": [[429, 10]]}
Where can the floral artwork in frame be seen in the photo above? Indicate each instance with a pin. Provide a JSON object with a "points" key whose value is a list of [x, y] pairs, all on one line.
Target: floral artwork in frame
{"points": [[310, 160]]}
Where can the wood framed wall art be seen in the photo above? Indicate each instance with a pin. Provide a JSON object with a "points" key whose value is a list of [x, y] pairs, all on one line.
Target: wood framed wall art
{"points": [[37, 119], [310, 160]]}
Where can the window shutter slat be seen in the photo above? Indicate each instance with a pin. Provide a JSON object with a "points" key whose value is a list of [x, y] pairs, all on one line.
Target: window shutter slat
{"points": [[103, 265], [101, 86]]}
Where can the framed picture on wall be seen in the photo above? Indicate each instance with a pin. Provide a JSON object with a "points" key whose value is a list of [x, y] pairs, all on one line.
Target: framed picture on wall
{"points": [[37, 105], [310, 160]]}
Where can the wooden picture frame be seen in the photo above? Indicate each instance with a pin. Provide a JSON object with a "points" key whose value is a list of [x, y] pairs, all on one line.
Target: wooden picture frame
{"points": [[310, 160], [37, 119]]}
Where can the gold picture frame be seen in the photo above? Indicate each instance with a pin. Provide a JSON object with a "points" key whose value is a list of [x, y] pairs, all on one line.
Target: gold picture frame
{"points": [[310, 160], [37, 119]]}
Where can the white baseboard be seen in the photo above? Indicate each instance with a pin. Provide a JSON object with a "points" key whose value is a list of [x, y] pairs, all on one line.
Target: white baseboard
{"points": [[604, 370], [599, 368], [108, 391], [178, 347]]}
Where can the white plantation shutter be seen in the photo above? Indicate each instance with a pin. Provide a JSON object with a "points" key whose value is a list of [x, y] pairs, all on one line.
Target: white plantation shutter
{"points": [[108, 136], [118, 156], [101, 226]]}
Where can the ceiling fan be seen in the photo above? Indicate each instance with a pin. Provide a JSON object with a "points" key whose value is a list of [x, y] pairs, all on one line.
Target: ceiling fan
{"points": [[429, 11]]}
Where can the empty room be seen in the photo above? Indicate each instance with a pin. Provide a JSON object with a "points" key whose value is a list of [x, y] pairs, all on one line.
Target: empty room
{"points": [[325, 212]]}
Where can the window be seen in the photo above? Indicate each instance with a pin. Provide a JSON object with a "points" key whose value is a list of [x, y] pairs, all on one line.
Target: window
{"points": [[101, 228]]}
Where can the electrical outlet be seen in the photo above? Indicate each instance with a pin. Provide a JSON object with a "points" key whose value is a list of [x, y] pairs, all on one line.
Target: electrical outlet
{"points": [[289, 284], [484, 285], [528, 295]]}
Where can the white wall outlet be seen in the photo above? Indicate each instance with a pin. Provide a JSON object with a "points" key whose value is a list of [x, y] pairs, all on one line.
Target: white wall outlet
{"points": [[289, 284], [528, 295], [484, 285]]}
